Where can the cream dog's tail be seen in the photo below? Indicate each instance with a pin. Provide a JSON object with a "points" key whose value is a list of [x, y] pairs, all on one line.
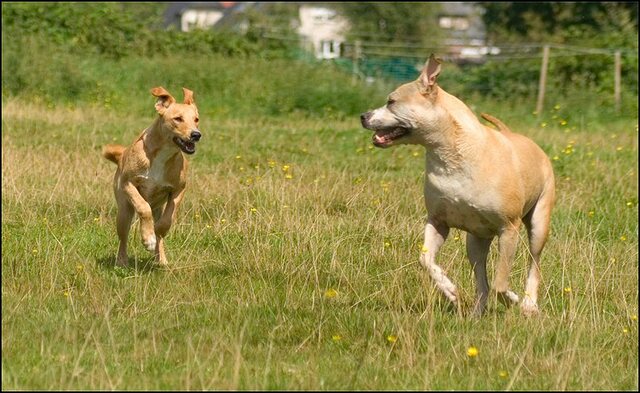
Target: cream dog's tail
{"points": [[113, 152], [501, 126]]}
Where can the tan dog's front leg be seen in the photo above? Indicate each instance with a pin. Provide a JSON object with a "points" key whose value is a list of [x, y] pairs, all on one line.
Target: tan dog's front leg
{"points": [[144, 212], [163, 224], [507, 243], [434, 237]]}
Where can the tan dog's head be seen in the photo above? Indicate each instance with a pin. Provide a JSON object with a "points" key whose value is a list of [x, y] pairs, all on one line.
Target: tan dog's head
{"points": [[180, 120], [409, 110]]}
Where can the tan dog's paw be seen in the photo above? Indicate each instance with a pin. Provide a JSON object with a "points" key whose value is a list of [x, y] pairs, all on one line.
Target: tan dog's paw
{"points": [[122, 261], [529, 307], [150, 243]]}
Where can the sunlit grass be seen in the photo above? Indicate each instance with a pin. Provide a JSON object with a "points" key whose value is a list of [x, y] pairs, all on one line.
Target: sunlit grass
{"points": [[294, 264]]}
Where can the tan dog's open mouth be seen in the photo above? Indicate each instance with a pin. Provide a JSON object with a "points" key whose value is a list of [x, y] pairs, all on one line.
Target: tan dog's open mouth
{"points": [[383, 138], [186, 146]]}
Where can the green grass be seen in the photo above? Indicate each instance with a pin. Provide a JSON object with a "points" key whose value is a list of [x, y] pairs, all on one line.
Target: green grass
{"points": [[256, 255]]}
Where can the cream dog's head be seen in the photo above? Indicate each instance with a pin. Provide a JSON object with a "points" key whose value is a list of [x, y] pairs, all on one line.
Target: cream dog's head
{"points": [[179, 120], [410, 111]]}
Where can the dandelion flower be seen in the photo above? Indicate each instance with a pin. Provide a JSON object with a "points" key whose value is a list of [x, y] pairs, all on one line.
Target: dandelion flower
{"points": [[623, 238], [336, 337], [619, 148], [543, 125], [253, 210], [34, 251], [503, 374], [424, 249], [472, 352], [392, 339], [285, 168], [330, 293], [288, 176], [238, 157], [387, 244], [591, 213], [630, 204], [634, 317], [567, 289], [625, 331]]}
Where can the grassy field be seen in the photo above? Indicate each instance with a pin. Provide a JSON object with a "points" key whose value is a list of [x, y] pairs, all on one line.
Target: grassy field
{"points": [[294, 261]]}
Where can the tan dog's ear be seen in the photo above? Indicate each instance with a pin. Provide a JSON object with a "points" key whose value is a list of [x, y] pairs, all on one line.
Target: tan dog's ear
{"points": [[164, 99], [430, 73], [188, 96]]}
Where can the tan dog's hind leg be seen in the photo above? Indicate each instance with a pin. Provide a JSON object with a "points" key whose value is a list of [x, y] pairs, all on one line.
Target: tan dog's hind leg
{"points": [[144, 212], [477, 251], [434, 237], [123, 225], [537, 224], [507, 242]]}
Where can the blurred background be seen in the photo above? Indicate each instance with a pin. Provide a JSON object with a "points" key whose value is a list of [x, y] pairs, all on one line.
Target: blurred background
{"points": [[279, 58]]}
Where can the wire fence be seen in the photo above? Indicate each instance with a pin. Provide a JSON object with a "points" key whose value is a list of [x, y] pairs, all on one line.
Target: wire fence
{"points": [[371, 60]]}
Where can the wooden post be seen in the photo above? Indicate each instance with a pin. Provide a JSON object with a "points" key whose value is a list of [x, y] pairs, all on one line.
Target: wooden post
{"points": [[543, 79], [357, 49], [616, 79]]}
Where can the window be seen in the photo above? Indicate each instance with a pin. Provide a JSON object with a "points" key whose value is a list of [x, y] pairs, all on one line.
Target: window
{"points": [[454, 22], [329, 49]]}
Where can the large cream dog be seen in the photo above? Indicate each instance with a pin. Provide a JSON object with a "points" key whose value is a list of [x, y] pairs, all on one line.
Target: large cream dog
{"points": [[484, 181], [152, 172]]}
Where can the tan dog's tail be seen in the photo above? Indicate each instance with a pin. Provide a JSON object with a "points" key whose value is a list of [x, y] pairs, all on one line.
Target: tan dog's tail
{"points": [[113, 152], [501, 126]]}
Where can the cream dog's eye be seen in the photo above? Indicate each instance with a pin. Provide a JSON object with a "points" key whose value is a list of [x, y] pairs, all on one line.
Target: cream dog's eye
{"points": [[178, 119], [197, 120], [390, 102]]}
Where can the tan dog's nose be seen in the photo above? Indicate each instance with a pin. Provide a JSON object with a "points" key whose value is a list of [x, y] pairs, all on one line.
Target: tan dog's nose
{"points": [[195, 135]]}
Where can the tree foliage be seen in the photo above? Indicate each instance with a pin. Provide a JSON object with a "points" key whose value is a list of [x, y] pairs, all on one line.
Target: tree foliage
{"points": [[399, 22], [561, 22]]}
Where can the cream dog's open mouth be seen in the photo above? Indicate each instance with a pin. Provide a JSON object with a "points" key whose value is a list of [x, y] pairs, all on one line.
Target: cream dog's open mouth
{"points": [[186, 146], [383, 138]]}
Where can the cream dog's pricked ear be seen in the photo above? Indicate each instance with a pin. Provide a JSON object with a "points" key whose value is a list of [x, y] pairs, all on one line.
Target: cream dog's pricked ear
{"points": [[188, 96], [430, 73], [164, 99]]}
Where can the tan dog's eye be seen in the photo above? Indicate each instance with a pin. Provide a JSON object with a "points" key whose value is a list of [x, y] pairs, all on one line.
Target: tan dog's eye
{"points": [[390, 102], [197, 120], [178, 119]]}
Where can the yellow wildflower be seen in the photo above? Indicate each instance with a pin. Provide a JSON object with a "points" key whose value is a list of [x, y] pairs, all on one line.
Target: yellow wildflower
{"points": [[472, 352], [392, 339], [330, 293]]}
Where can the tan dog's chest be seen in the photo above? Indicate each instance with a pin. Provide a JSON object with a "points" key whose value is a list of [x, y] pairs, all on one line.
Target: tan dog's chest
{"points": [[159, 179]]}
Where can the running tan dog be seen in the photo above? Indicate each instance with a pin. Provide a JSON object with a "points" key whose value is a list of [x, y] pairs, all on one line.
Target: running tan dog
{"points": [[478, 179], [152, 172]]}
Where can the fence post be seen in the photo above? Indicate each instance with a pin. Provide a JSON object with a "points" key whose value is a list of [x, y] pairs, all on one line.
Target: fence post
{"points": [[543, 79], [616, 88], [356, 56]]}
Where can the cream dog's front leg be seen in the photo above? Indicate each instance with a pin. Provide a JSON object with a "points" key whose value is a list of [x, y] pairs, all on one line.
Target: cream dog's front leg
{"points": [[434, 237]]}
